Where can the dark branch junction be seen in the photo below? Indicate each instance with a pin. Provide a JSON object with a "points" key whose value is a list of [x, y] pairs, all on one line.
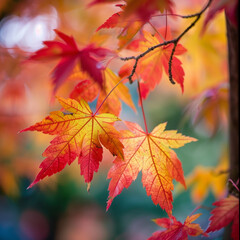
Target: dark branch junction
{"points": [[165, 43]]}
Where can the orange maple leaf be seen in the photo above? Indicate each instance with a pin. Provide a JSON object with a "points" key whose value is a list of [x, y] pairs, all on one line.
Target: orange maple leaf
{"points": [[151, 153], [80, 134], [89, 90], [176, 230], [150, 67], [129, 26], [226, 211]]}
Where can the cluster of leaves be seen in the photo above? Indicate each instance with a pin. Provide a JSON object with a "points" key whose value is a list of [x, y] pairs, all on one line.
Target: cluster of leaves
{"points": [[82, 133]]}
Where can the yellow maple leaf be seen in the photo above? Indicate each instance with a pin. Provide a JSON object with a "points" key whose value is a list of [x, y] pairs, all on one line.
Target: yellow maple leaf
{"points": [[80, 133], [152, 154]]}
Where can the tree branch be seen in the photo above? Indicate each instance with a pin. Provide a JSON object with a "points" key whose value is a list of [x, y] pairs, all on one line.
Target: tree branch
{"points": [[165, 43], [233, 65]]}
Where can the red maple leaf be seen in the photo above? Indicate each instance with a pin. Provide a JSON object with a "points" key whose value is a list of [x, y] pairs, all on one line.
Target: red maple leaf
{"points": [[88, 58], [144, 9], [111, 22], [151, 153], [129, 26], [176, 230], [150, 67], [226, 211]]}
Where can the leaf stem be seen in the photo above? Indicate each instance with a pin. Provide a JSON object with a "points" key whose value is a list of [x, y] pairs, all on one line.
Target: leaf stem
{"points": [[141, 102], [166, 25], [202, 207], [235, 185], [108, 95], [155, 29], [194, 210]]}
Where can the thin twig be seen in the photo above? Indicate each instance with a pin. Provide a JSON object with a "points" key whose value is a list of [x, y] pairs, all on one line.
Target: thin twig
{"points": [[173, 41], [136, 58], [141, 102], [108, 95], [156, 31], [170, 63], [235, 185], [202, 207]]}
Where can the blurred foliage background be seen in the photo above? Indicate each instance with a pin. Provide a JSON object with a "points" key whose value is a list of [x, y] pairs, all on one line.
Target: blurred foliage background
{"points": [[60, 207]]}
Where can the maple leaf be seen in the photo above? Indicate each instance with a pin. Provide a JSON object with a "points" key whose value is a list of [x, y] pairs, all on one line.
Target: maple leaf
{"points": [[144, 9], [130, 26], [88, 59], [133, 17], [80, 133], [151, 153], [150, 67], [89, 90], [111, 22], [226, 211], [176, 230]]}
